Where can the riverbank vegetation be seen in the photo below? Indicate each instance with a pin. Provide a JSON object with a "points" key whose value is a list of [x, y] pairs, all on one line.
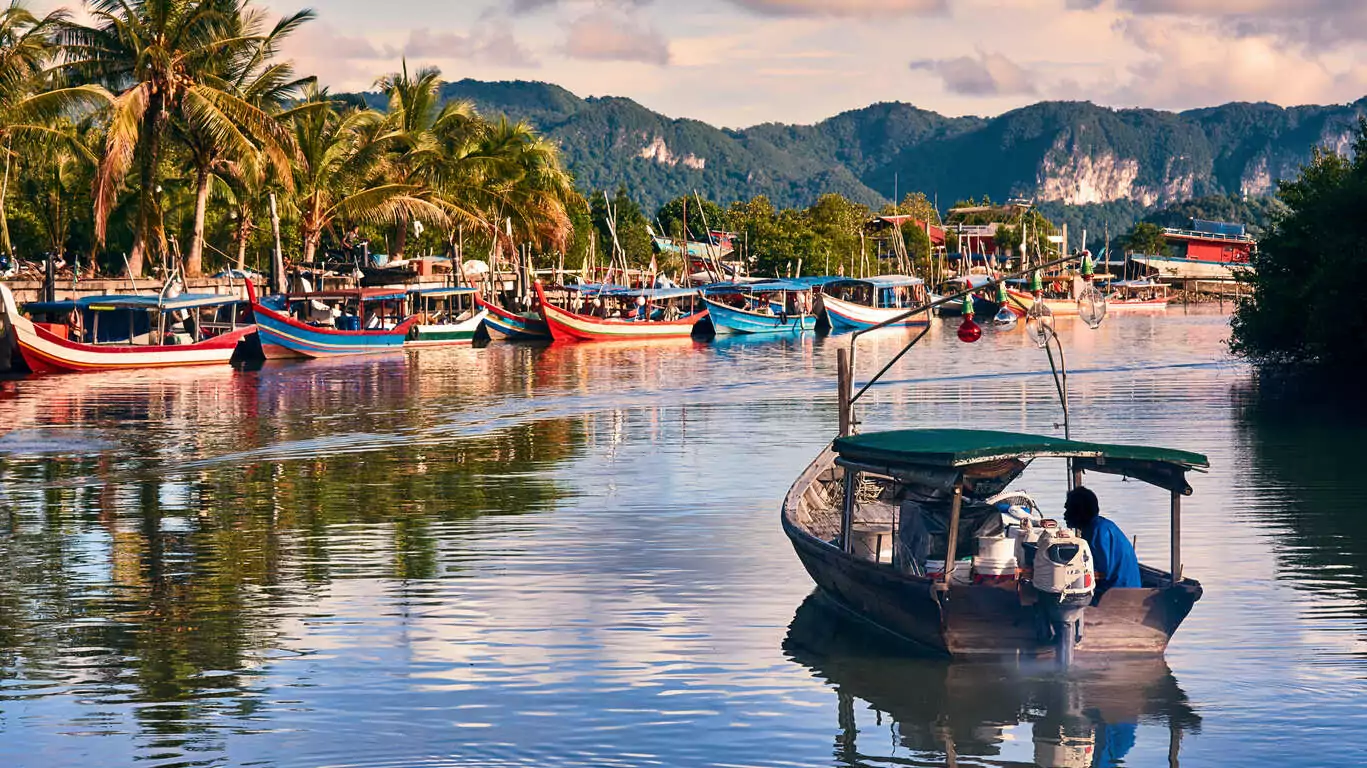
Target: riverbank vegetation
{"points": [[159, 133], [1306, 307]]}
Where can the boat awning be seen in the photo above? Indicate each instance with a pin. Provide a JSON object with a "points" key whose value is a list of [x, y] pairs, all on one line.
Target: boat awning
{"points": [[657, 293], [148, 303], [880, 281], [363, 294], [761, 286], [438, 292], [988, 454]]}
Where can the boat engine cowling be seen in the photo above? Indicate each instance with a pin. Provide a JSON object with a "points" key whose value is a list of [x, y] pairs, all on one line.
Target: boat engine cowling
{"points": [[1065, 580]]}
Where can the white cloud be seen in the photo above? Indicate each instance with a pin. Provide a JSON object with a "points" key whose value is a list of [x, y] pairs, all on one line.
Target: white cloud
{"points": [[605, 35], [492, 41], [987, 74], [843, 7]]}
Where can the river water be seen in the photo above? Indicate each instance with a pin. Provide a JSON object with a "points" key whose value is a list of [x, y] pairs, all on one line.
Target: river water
{"points": [[571, 555]]}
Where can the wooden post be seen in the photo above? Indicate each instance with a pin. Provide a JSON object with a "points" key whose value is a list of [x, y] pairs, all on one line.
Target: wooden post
{"points": [[1176, 546], [845, 386], [278, 258], [953, 545]]}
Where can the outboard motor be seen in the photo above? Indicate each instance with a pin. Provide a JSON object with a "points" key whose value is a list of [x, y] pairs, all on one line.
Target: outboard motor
{"points": [[1063, 577]]}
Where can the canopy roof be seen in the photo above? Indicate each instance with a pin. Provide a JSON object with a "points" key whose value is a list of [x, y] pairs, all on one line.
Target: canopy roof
{"points": [[364, 294], [439, 291], [107, 303], [882, 281], [759, 286], [989, 453]]}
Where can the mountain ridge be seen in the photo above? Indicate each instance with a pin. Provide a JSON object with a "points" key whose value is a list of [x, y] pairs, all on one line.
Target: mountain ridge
{"points": [[1063, 152]]}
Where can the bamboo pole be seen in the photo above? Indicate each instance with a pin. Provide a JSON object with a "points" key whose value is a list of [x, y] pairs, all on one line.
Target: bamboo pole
{"points": [[953, 533]]}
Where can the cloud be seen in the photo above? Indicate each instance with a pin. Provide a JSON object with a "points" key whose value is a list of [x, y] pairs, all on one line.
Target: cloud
{"points": [[1318, 21], [843, 7], [607, 36], [987, 74], [1188, 63], [491, 41]]}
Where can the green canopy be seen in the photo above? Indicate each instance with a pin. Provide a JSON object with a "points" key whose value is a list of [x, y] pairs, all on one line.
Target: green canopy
{"points": [[963, 448]]}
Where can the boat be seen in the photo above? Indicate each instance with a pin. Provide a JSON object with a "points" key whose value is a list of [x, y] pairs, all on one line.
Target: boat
{"points": [[1209, 250], [110, 333], [445, 316], [857, 304], [353, 321], [502, 324], [982, 305], [854, 515], [766, 307], [1132, 295], [666, 314]]}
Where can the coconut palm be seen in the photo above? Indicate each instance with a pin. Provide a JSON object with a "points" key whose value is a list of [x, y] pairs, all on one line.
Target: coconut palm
{"points": [[29, 102], [344, 171], [161, 58], [250, 72]]}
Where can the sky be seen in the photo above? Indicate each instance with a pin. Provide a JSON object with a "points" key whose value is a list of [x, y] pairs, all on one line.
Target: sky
{"points": [[736, 63]]}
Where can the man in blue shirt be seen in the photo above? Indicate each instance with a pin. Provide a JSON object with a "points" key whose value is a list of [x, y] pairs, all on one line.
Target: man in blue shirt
{"points": [[1116, 564]]}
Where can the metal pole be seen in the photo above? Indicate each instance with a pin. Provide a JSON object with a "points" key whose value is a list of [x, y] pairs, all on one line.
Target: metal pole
{"points": [[1176, 563], [847, 511]]}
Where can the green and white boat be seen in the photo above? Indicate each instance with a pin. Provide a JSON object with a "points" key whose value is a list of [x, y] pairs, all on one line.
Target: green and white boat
{"points": [[446, 316]]}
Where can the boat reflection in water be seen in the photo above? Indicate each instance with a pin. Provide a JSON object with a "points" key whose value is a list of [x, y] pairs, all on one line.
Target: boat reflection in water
{"points": [[959, 713]]}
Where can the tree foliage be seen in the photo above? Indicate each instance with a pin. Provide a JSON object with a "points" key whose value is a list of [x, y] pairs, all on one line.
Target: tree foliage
{"points": [[1306, 304]]}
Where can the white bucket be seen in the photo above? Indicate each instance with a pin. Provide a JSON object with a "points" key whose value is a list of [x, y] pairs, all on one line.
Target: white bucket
{"points": [[994, 567]]}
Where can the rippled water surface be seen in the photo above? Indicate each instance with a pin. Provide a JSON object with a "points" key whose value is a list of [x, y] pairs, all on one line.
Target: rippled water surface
{"points": [[570, 555]]}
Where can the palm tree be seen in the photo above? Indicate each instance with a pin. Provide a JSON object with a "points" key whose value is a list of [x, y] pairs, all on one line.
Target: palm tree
{"points": [[249, 72], [161, 58], [344, 169], [29, 104]]}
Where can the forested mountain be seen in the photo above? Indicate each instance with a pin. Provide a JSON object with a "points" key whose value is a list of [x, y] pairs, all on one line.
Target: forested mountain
{"points": [[1071, 153]]}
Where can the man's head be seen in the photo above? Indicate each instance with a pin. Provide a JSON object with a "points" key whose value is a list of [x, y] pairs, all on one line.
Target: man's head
{"points": [[1080, 508]]}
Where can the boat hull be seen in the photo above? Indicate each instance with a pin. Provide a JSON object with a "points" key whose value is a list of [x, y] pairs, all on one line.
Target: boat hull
{"points": [[1021, 302], [1192, 269], [46, 352], [727, 319], [452, 334], [567, 326], [283, 337], [501, 324], [975, 620], [845, 316]]}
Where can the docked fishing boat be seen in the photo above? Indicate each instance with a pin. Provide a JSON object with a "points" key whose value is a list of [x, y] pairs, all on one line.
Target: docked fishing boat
{"points": [[983, 304], [1057, 292], [1133, 295], [105, 333], [868, 519], [356, 321], [1209, 250], [444, 315], [767, 307], [623, 313], [855, 304], [506, 325]]}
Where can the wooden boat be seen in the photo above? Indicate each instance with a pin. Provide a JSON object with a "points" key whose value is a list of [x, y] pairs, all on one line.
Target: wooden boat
{"points": [[445, 316], [767, 307], [109, 333], [357, 321], [983, 306], [499, 323], [856, 304], [659, 305], [1131, 295], [844, 521]]}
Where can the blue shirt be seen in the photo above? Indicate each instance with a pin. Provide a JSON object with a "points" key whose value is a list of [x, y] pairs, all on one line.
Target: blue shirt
{"points": [[1116, 564]]}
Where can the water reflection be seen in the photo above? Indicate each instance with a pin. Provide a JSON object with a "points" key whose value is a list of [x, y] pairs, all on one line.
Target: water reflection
{"points": [[941, 712]]}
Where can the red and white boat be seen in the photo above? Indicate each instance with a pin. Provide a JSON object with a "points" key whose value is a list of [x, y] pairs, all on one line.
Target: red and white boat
{"points": [[110, 333], [1136, 295], [648, 320]]}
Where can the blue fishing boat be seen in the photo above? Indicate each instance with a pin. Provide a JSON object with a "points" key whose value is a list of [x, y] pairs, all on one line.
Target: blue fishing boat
{"points": [[358, 321], [502, 324], [769, 306], [855, 304]]}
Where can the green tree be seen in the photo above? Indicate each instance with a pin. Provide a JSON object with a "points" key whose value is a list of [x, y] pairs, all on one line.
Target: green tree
{"points": [[1306, 305], [633, 234], [1145, 238], [162, 57]]}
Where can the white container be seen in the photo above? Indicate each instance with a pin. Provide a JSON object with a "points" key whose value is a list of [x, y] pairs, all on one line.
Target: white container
{"points": [[990, 567], [963, 570]]}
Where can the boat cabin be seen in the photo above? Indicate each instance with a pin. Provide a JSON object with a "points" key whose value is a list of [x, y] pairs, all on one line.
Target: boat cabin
{"points": [[880, 292], [610, 302], [142, 320], [442, 305], [353, 309], [915, 531], [765, 297]]}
